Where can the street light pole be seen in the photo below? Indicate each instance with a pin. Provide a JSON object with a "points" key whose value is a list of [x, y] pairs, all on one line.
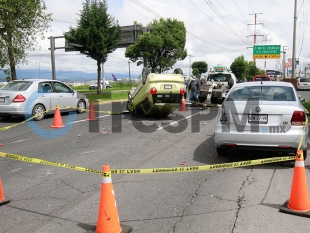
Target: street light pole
{"points": [[190, 66], [129, 72], [294, 40]]}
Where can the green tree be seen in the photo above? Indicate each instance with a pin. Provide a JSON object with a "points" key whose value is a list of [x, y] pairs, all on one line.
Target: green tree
{"points": [[96, 35], [238, 67], [21, 22], [202, 67], [163, 45], [251, 70], [196, 72]]}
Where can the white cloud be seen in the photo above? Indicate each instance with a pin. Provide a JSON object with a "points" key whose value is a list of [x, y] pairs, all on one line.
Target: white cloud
{"points": [[216, 36]]}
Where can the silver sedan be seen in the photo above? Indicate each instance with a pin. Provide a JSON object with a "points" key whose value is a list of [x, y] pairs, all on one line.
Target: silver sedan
{"points": [[38, 97], [266, 116]]}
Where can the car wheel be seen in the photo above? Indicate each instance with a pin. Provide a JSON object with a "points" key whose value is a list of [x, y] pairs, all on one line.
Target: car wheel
{"points": [[305, 153], [6, 117], [39, 112], [145, 73], [81, 106], [178, 71], [221, 151]]}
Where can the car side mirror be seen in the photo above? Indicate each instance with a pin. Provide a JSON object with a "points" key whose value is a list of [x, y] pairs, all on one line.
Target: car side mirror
{"points": [[302, 99]]}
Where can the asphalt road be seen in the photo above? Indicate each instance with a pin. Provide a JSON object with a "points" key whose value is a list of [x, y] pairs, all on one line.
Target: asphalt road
{"points": [[52, 199]]}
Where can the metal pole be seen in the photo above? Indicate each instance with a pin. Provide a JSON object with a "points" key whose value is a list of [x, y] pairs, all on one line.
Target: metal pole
{"points": [[52, 42], [190, 66], [284, 62], [39, 71], [102, 76], [294, 40], [129, 72]]}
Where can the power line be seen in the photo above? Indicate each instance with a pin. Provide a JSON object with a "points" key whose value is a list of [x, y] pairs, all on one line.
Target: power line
{"points": [[222, 18], [197, 37], [238, 8]]}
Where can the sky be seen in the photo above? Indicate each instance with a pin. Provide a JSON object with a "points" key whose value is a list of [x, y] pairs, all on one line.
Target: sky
{"points": [[218, 31]]}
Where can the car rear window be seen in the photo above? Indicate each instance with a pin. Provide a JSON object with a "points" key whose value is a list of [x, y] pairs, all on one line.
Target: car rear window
{"points": [[17, 86], [261, 79], [305, 80], [219, 77], [268, 93]]}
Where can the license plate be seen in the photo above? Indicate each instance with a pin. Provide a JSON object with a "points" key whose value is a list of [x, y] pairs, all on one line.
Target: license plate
{"points": [[159, 96], [167, 96], [168, 86], [259, 119], [1, 99]]}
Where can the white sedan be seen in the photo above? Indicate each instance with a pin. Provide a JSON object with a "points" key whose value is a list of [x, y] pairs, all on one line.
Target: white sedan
{"points": [[38, 97], [303, 84], [266, 116]]}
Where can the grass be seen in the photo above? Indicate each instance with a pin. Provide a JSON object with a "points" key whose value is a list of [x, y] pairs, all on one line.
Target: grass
{"points": [[107, 96]]}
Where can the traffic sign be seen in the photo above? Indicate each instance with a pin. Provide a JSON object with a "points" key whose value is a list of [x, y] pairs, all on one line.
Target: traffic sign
{"points": [[266, 56], [266, 51]]}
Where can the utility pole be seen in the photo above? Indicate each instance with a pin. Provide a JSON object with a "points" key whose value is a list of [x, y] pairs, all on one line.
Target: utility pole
{"points": [[284, 52], [190, 66], [294, 40], [265, 40], [255, 23]]}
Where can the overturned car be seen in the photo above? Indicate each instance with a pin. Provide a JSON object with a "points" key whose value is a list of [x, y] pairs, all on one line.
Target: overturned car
{"points": [[157, 95]]}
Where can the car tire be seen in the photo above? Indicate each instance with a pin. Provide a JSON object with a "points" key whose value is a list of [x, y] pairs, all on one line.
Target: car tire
{"points": [[38, 109], [221, 151], [145, 72], [178, 71], [6, 117], [81, 106]]}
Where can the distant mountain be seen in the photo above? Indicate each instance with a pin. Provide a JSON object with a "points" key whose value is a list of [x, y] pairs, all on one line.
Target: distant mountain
{"points": [[63, 75]]}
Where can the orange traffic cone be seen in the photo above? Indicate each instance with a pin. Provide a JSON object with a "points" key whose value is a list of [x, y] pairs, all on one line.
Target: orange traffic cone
{"points": [[2, 198], [91, 113], [183, 105], [57, 119], [299, 202], [108, 220]]}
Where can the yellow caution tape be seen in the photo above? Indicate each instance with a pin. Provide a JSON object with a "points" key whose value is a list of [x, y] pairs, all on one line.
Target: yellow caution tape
{"points": [[302, 135], [151, 170], [86, 110]]}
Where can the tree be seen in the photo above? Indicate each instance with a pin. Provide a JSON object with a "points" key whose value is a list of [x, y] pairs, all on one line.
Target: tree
{"points": [[239, 66], [251, 70], [202, 67], [163, 45], [196, 72], [21, 22], [97, 34]]}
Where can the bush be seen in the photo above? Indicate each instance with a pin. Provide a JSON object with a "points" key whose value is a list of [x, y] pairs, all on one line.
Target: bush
{"points": [[306, 104]]}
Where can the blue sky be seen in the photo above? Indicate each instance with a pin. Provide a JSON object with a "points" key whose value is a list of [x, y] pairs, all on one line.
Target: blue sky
{"points": [[218, 31]]}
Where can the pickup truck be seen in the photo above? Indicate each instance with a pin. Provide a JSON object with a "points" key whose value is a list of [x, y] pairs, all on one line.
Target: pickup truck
{"points": [[94, 86]]}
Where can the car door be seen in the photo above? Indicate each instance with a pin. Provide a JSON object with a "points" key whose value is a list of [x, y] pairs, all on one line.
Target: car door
{"points": [[66, 96], [48, 97]]}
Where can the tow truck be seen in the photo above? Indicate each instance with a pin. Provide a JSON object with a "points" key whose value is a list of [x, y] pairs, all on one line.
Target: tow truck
{"points": [[214, 88]]}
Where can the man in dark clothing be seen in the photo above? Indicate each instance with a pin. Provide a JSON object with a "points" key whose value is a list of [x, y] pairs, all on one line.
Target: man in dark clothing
{"points": [[194, 87]]}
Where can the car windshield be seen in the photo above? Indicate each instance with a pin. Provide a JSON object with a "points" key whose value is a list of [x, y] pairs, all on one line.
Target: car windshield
{"points": [[219, 77], [305, 80], [268, 93], [17, 86]]}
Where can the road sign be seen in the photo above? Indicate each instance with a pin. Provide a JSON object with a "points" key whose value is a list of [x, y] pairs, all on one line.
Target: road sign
{"points": [[266, 56], [266, 51]]}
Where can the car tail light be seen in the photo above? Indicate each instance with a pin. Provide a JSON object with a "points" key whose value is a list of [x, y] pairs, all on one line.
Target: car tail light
{"points": [[284, 146], [19, 98], [153, 91], [182, 91], [298, 118]]}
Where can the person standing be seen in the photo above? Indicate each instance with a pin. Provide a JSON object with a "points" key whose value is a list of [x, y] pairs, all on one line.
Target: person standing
{"points": [[194, 87], [185, 88]]}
